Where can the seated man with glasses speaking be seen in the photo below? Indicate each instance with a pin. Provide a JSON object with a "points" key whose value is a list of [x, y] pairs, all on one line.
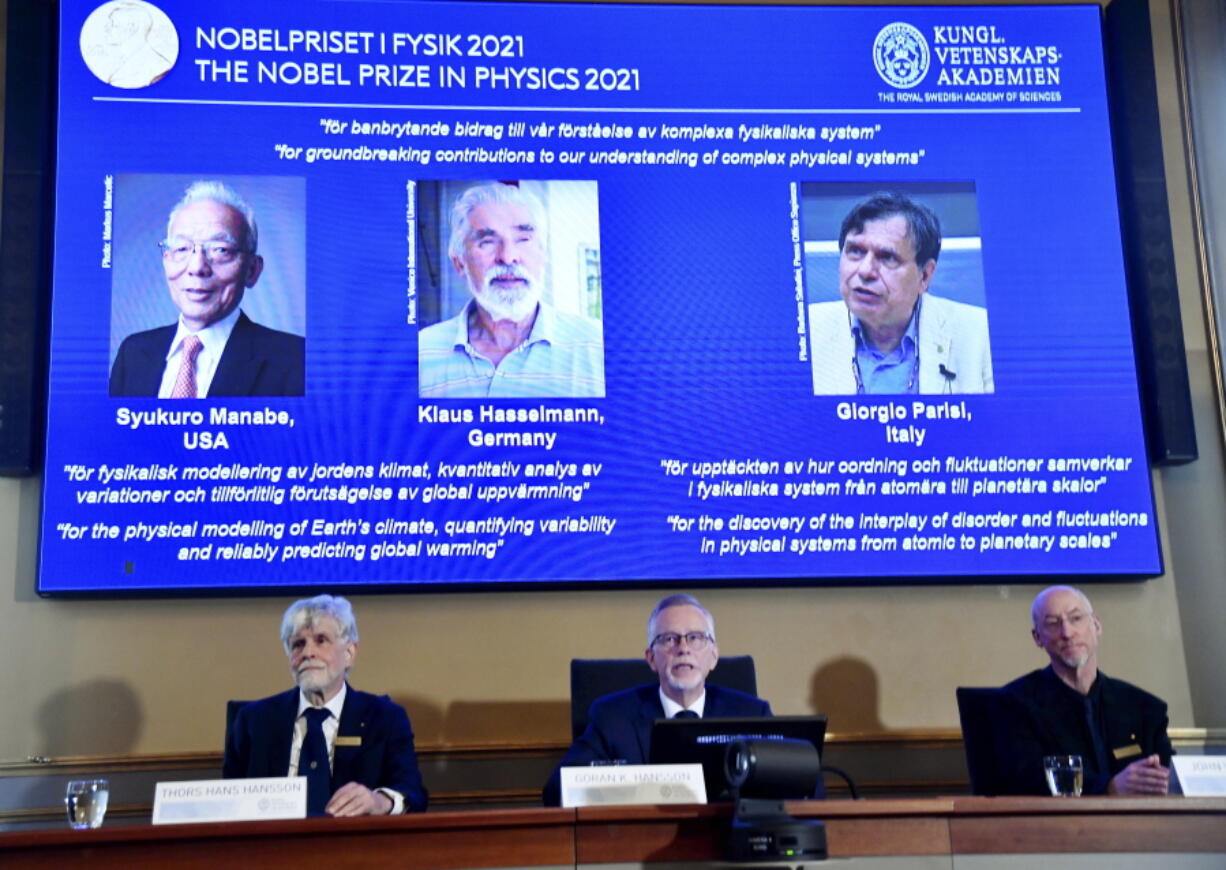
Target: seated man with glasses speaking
{"points": [[209, 259], [681, 649]]}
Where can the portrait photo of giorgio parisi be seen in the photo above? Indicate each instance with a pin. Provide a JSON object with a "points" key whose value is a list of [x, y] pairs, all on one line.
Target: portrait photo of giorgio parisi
{"points": [[210, 260], [895, 303], [509, 291]]}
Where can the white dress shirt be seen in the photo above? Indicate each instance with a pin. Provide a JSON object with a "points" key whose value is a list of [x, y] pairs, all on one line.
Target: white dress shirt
{"points": [[214, 338], [672, 708]]}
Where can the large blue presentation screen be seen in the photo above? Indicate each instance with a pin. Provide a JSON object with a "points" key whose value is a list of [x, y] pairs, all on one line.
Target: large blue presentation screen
{"points": [[425, 294]]}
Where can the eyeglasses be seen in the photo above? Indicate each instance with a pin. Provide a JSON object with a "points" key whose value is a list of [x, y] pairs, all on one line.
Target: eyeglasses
{"points": [[217, 252], [1055, 624], [670, 640]]}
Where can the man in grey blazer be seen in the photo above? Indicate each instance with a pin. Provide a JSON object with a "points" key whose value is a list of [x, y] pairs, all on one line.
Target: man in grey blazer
{"points": [[888, 336]]}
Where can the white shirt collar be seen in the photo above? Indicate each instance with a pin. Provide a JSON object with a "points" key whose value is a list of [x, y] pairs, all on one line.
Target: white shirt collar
{"points": [[544, 328], [334, 706], [672, 708], [213, 337]]}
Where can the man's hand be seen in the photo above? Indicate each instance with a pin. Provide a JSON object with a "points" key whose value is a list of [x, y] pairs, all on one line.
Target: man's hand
{"points": [[355, 799], [1146, 776]]}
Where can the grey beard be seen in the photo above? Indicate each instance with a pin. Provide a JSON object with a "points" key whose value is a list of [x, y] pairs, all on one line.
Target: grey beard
{"points": [[514, 304], [1075, 662], [508, 305]]}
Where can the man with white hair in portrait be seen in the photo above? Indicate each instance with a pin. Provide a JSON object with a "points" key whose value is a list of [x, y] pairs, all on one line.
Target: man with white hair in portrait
{"points": [[507, 341], [210, 262]]}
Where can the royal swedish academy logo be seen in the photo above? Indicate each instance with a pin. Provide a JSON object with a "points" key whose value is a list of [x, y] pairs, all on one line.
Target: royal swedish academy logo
{"points": [[900, 54]]}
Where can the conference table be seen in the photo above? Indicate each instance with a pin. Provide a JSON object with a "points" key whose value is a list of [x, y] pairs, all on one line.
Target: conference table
{"points": [[967, 833]]}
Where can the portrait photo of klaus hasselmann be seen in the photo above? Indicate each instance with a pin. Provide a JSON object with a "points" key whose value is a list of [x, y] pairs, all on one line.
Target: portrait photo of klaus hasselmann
{"points": [[208, 287], [514, 309], [894, 279]]}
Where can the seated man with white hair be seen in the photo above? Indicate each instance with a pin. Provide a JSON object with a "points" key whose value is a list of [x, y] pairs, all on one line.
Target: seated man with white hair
{"points": [[354, 748]]}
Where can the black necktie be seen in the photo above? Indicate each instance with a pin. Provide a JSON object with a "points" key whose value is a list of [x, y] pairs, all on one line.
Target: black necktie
{"points": [[1097, 743], [686, 714], [313, 762]]}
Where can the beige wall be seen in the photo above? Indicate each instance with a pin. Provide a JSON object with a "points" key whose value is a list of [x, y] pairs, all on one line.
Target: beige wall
{"points": [[93, 677]]}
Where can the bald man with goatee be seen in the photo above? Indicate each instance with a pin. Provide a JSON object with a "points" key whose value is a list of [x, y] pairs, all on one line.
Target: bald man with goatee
{"points": [[1071, 707]]}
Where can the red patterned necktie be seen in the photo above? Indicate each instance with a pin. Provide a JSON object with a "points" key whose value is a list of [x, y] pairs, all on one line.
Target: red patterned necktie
{"points": [[185, 383]]}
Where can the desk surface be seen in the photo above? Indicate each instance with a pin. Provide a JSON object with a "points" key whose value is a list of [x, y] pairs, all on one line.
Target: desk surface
{"points": [[430, 841], [928, 826], [636, 835]]}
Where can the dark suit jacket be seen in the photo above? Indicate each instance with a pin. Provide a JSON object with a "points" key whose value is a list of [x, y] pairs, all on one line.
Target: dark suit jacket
{"points": [[257, 361], [258, 744], [1043, 716], [619, 728]]}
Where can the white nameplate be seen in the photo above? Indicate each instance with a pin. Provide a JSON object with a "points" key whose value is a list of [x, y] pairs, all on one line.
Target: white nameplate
{"points": [[230, 800], [1201, 775], [612, 784]]}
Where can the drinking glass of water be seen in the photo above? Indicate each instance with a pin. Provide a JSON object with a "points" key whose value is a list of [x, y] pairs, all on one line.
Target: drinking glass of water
{"points": [[1064, 775], [86, 802]]}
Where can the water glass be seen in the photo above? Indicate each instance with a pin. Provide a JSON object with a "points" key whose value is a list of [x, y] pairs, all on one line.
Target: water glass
{"points": [[1064, 775], [86, 801]]}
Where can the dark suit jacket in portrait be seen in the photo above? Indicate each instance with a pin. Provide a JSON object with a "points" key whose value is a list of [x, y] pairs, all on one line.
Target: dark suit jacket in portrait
{"points": [[1043, 716], [258, 744], [619, 727], [257, 361]]}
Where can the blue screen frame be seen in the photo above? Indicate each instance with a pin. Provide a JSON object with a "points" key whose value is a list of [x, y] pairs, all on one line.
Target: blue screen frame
{"points": [[710, 182]]}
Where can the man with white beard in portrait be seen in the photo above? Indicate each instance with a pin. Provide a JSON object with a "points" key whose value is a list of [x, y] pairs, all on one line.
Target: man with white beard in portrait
{"points": [[507, 341]]}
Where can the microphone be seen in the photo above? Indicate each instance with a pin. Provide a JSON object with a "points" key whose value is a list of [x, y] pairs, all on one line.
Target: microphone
{"points": [[946, 373]]}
